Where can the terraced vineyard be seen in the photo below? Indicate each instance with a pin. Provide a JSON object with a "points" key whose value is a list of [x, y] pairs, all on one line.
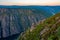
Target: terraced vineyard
{"points": [[47, 29]]}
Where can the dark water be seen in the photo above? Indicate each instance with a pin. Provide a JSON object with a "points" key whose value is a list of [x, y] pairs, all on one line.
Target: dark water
{"points": [[13, 37]]}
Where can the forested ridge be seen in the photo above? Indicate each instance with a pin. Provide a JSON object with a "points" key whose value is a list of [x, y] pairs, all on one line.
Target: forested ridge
{"points": [[47, 29]]}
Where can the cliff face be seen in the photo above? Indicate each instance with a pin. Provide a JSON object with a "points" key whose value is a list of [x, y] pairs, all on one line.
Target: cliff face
{"points": [[17, 20]]}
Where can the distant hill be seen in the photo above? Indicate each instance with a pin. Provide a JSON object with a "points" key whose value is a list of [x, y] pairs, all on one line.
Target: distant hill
{"points": [[47, 29], [52, 9]]}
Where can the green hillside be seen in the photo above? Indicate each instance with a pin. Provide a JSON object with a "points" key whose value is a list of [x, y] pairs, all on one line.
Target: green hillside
{"points": [[47, 29]]}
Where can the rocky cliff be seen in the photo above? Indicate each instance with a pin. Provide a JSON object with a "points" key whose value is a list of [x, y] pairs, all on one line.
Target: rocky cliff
{"points": [[17, 20]]}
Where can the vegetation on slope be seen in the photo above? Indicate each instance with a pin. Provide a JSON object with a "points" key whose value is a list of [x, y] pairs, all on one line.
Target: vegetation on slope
{"points": [[48, 29]]}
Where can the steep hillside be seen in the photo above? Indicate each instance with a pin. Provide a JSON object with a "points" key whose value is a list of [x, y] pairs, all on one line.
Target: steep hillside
{"points": [[47, 29], [16, 20]]}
